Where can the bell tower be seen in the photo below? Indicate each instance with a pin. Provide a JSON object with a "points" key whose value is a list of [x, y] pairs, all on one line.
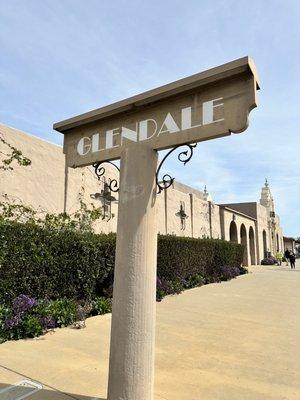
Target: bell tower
{"points": [[266, 198], [206, 194]]}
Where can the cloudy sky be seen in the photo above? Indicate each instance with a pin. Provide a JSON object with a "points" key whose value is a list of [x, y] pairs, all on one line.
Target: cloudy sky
{"points": [[59, 58]]}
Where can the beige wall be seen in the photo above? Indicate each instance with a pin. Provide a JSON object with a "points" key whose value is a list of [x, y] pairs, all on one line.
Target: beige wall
{"points": [[289, 243], [42, 186], [265, 223], [198, 223], [262, 226], [84, 180], [173, 200]]}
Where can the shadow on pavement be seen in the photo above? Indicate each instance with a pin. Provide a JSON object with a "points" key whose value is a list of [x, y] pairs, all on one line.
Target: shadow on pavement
{"points": [[16, 392]]}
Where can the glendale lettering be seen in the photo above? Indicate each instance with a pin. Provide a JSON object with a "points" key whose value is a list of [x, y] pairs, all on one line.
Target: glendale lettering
{"points": [[148, 129]]}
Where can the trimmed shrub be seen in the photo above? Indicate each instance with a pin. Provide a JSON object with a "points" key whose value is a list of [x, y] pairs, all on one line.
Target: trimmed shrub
{"points": [[185, 258], [55, 265]]}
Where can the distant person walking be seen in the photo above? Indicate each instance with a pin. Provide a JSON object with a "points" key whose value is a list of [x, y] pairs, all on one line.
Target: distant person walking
{"points": [[292, 260], [287, 256], [279, 257]]}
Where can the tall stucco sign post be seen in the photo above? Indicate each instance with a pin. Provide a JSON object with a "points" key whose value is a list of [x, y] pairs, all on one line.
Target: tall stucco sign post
{"points": [[208, 105]]}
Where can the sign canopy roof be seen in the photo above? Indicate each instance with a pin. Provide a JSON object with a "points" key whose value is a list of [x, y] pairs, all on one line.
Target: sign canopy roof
{"points": [[203, 106], [202, 78]]}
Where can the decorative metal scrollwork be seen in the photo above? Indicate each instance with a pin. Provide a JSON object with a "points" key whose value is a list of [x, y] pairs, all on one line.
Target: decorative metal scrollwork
{"points": [[113, 184], [184, 157]]}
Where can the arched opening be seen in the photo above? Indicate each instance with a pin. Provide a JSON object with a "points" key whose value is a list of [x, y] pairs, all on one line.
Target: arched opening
{"points": [[252, 245], [265, 243], [243, 233], [277, 242], [233, 232]]}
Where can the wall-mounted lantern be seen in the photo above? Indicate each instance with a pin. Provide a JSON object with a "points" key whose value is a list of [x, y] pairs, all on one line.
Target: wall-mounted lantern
{"points": [[183, 216], [106, 198]]}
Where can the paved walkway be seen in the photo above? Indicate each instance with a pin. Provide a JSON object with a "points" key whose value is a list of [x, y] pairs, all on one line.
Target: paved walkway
{"points": [[239, 340]]}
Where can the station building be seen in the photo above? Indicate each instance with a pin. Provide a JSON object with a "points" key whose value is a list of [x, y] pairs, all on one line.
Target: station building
{"points": [[47, 185]]}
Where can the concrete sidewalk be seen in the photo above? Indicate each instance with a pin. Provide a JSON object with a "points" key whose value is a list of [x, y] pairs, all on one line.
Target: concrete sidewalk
{"points": [[238, 340]]}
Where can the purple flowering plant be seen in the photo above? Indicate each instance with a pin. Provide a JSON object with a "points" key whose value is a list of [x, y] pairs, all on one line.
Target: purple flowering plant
{"points": [[47, 322], [229, 272], [22, 304], [12, 322], [19, 320], [28, 317]]}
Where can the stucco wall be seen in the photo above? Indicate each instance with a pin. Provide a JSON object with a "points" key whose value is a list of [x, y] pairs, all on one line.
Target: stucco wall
{"points": [[160, 213], [174, 199], [84, 181], [42, 186], [216, 221], [262, 225], [198, 222], [200, 217], [278, 242], [289, 243]]}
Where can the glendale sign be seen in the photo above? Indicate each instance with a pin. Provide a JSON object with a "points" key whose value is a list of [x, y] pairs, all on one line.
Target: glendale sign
{"points": [[208, 105], [204, 106], [148, 129]]}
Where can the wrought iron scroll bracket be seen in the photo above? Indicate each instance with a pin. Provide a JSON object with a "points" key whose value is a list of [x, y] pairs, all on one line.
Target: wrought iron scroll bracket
{"points": [[113, 184], [184, 157]]}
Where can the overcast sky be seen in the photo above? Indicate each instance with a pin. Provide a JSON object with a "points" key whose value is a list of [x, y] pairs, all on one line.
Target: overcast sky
{"points": [[59, 58]]}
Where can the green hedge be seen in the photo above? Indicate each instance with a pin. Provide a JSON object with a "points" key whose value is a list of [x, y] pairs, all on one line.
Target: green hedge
{"points": [[67, 264], [53, 264], [183, 257]]}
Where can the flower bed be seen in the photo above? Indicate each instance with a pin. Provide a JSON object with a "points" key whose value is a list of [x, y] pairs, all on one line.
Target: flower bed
{"points": [[27, 317], [49, 277]]}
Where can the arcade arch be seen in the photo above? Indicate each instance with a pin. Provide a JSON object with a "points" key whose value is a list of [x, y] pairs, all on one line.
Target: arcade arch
{"points": [[252, 246], [244, 241], [233, 236], [264, 234]]}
